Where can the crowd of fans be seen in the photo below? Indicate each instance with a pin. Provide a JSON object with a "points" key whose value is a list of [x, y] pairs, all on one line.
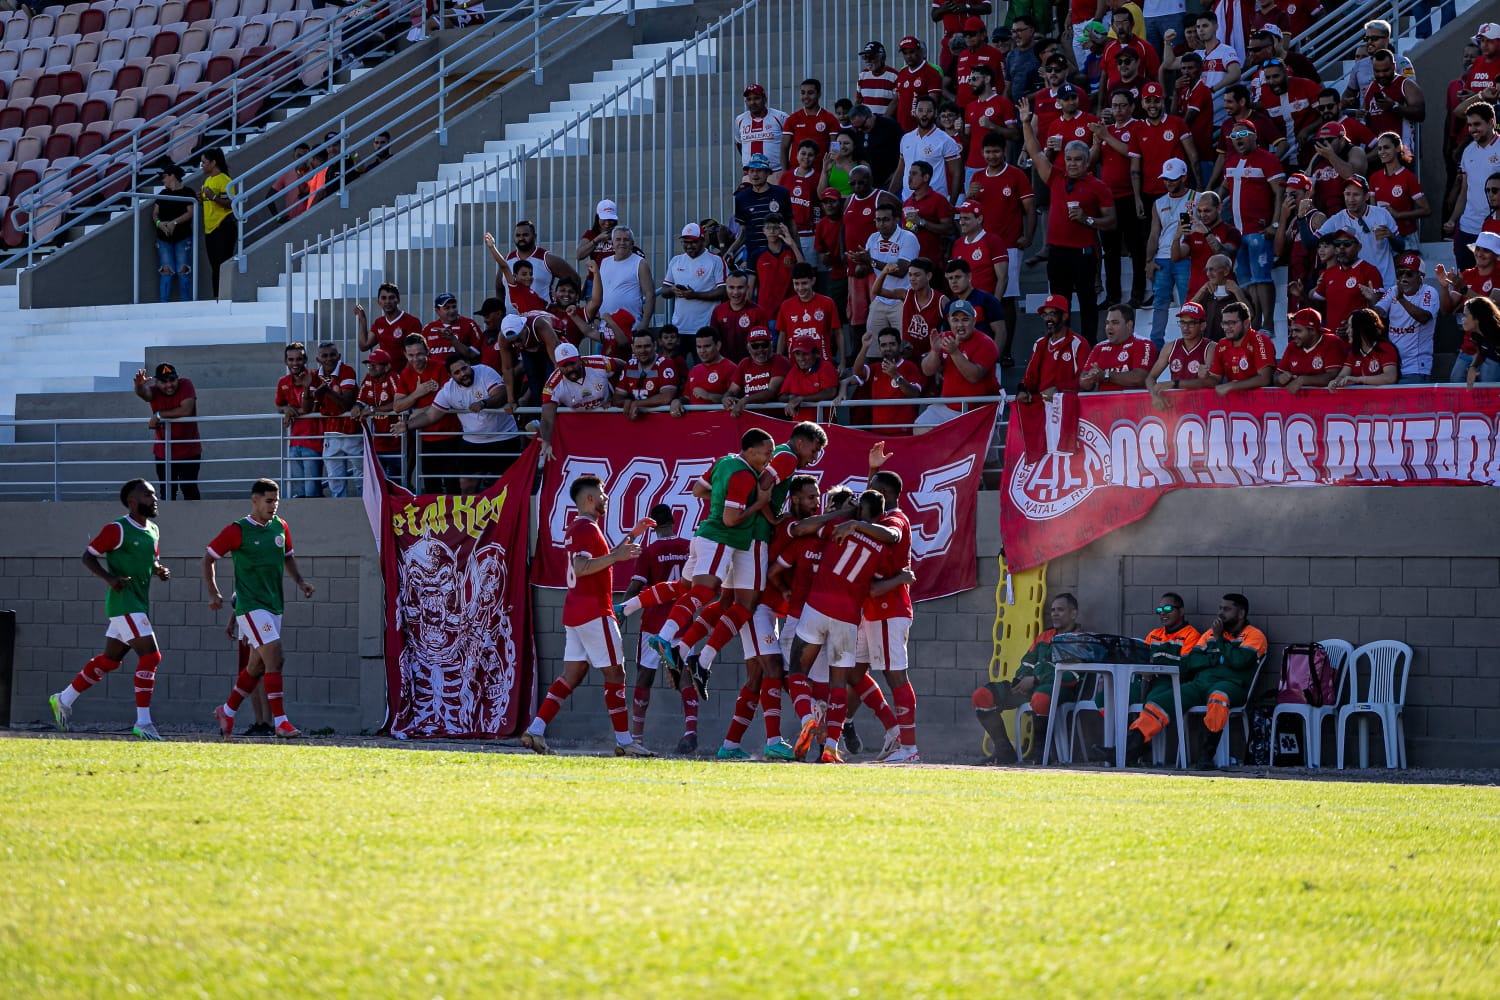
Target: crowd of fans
{"points": [[875, 250]]}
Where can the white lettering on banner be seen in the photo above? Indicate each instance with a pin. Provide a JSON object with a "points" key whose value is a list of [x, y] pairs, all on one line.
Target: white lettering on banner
{"points": [[937, 495], [1241, 449], [640, 485]]}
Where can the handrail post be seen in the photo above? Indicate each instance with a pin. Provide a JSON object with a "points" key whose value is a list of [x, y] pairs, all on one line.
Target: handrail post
{"points": [[536, 42], [630, 12], [442, 96], [135, 225], [343, 161], [166, 460], [288, 273], [56, 465], [332, 52], [234, 111]]}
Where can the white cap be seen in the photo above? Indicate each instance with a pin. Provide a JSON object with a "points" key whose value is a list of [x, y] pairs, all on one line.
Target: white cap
{"points": [[606, 210], [565, 352], [1173, 169], [692, 231], [1489, 31], [1487, 241], [513, 326]]}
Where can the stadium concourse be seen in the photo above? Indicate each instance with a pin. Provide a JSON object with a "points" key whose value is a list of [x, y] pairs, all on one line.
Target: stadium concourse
{"points": [[1066, 212]]}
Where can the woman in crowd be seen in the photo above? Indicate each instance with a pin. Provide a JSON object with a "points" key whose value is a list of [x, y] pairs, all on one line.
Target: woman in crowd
{"points": [[1372, 357], [1394, 186], [1481, 319], [220, 228]]}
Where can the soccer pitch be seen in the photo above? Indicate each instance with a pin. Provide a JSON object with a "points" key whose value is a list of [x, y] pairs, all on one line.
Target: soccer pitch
{"points": [[195, 869]]}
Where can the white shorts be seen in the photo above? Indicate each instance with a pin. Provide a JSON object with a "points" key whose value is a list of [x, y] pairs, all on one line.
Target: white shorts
{"points": [[882, 644], [128, 627], [646, 657], [759, 637], [837, 638], [1012, 275], [819, 669], [259, 628], [596, 643], [935, 414], [735, 569]]}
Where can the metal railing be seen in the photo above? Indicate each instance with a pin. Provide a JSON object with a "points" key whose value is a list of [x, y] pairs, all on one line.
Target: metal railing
{"points": [[257, 89], [57, 460], [1334, 37], [658, 142]]}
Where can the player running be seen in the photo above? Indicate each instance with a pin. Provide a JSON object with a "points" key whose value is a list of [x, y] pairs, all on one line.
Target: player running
{"points": [[131, 551], [592, 634], [261, 547], [853, 552], [660, 565]]}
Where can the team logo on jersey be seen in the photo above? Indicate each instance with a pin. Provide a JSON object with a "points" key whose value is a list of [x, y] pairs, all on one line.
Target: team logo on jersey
{"points": [[820, 127], [1066, 356], [1169, 135], [279, 542], [1350, 283], [1397, 191], [818, 314], [713, 377], [744, 322], [775, 205], [1244, 364], [1176, 366], [1374, 366], [1317, 363]]}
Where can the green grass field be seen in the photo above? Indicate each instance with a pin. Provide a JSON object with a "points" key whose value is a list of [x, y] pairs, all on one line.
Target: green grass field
{"points": [[195, 869]]}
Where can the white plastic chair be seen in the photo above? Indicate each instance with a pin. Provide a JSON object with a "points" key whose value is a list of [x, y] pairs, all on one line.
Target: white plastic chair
{"points": [[1221, 753], [1055, 734], [1383, 696], [1313, 718]]}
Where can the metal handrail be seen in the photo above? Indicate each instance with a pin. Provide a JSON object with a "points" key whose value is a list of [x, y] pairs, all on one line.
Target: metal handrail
{"points": [[1329, 41], [524, 37], [220, 99]]}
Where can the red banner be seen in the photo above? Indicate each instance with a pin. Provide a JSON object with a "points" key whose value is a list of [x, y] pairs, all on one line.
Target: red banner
{"points": [[1128, 454], [458, 649], [656, 460]]}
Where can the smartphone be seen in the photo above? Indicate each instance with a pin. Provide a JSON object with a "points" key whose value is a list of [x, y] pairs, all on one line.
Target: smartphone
{"points": [[1185, 219]]}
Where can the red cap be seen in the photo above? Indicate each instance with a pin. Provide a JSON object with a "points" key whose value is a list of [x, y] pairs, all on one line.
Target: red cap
{"points": [[625, 319], [807, 342], [1055, 302], [1191, 310], [1333, 130], [1153, 89], [909, 43], [1357, 181], [1299, 182], [757, 335], [1342, 232], [379, 356], [974, 24], [1409, 262], [831, 193], [969, 207], [755, 88], [1307, 317]]}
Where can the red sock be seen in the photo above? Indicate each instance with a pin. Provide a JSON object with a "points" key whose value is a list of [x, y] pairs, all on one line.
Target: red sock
{"points": [[556, 695], [689, 710], [838, 705], [819, 690], [243, 685], [667, 592], [869, 693], [802, 698], [708, 619], [770, 706], [687, 606], [744, 712], [93, 672], [145, 679], [906, 713], [729, 625], [272, 681], [638, 705], [614, 700]]}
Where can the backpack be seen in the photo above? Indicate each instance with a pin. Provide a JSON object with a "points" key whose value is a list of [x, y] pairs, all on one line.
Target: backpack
{"points": [[1307, 677]]}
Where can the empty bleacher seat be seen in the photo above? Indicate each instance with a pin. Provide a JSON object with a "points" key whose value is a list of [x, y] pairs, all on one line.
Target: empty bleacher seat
{"points": [[170, 12], [32, 57], [165, 42], [93, 19], [16, 25], [65, 111], [40, 112], [198, 10], [40, 27]]}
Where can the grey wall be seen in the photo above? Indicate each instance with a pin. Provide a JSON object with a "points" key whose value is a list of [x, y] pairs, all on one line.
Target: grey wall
{"points": [[1419, 564]]}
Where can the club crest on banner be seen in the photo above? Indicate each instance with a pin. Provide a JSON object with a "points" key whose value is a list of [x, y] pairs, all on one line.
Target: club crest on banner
{"points": [[1059, 482]]}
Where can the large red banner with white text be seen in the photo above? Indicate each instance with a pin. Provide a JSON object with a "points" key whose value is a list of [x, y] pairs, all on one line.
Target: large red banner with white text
{"points": [[1128, 454], [656, 460], [458, 646]]}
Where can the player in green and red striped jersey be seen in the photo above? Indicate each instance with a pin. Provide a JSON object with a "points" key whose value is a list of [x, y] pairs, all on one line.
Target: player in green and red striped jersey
{"points": [[261, 547], [129, 547]]}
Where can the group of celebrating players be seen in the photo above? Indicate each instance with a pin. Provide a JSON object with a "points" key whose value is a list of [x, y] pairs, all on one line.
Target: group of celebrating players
{"points": [[817, 587]]}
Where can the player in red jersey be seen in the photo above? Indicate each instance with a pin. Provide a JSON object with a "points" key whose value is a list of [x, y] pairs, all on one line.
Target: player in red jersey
{"points": [[657, 570], [759, 377], [884, 626], [390, 329], [852, 554], [888, 377], [592, 634]]}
